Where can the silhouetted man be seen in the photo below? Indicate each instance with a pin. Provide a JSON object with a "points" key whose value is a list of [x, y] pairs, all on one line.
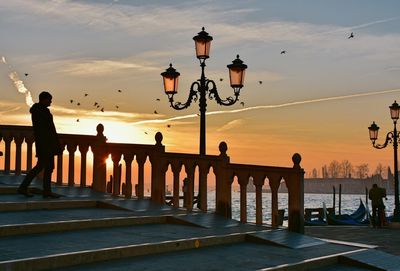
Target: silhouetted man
{"points": [[376, 194], [47, 146]]}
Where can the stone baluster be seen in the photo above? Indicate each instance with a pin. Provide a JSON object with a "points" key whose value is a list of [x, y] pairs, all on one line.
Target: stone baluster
{"points": [[140, 159], [7, 155], [243, 180], [189, 169], [258, 181], [29, 142], [274, 183], [176, 169], [224, 178], [116, 157], [18, 139], [71, 148], [83, 149], [128, 158], [60, 165], [202, 196]]}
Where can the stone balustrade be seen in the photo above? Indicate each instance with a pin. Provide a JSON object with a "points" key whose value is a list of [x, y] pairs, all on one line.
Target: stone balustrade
{"points": [[160, 161]]}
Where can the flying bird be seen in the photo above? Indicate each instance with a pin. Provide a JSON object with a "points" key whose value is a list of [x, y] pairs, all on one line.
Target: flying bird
{"points": [[78, 104], [117, 106], [242, 103], [283, 52], [145, 133], [221, 79], [102, 109], [26, 74], [169, 125], [86, 94], [95, 104], [98, 106], [155, 112], [351, 35], [77, 120], [71, 101], [157, 99], [119, 90], [260, 82]]}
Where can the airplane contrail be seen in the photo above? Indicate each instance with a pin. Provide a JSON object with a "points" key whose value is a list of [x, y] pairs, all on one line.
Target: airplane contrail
{"points": [[358, 26], [272, 106], [18, 83]]}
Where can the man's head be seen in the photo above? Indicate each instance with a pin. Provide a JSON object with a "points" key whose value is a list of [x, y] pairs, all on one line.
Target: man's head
{"points": [[45, 98], [374, 185]]}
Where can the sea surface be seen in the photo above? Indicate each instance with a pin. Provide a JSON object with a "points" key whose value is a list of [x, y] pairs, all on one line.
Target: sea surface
{"points": [[349, 203]]}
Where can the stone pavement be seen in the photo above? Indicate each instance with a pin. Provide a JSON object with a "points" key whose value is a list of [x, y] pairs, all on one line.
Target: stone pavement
{"points": [[386, 239], [84, 230]]}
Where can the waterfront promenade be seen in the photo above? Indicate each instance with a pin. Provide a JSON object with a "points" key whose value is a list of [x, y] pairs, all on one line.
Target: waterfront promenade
{"points": [[87, 230]]}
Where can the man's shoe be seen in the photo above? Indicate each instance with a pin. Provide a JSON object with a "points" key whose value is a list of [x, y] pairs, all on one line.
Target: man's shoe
{"points": [[50, 195], [24, 192]]}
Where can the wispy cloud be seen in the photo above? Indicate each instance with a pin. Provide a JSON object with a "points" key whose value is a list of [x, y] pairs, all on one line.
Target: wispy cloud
{"points": [[230, 125], [101, 67]]}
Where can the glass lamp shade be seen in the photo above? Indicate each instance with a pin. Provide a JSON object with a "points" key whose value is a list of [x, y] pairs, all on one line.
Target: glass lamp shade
{"points": [[170, 79], [394, 111], [202, 43], [236, 73], [373, 131]]}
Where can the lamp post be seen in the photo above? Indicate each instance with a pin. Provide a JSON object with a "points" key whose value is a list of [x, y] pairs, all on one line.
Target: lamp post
{"points": [[204, 85], [391, 137]]}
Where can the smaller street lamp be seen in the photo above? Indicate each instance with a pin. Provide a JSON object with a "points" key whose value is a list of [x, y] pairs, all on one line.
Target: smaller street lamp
{"points": [[391, 137]]}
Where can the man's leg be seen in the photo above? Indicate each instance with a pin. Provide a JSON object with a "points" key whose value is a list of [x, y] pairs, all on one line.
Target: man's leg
{"points": [[23, 188], [374, 216], [48, 170]]}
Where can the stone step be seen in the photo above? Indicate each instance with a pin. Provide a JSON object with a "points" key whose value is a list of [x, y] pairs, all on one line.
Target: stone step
{"points": [[56, 261], [71, 225]]}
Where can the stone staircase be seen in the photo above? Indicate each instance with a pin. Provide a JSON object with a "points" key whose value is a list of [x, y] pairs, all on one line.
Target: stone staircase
{"points": [[84, 230]]}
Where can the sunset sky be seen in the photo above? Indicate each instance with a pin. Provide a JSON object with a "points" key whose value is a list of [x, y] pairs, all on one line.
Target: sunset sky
{"points": [[317, 99]]}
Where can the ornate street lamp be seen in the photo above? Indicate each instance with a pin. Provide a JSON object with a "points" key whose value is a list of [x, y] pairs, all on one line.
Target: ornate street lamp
{"points": [[391, 137], [204, 85]]}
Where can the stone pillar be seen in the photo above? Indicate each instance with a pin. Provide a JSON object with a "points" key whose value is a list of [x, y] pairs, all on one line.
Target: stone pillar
{"points": [[116, 157], [29, 142], [141, 159], [176, 169], [7, 155], [18, 150], [223, 205], [243, 182], [60, 165], [128, 158], [258, 182], [158, 171], [71, 148], [83, 149], [296, 196], [274, 183], [202, 196]]}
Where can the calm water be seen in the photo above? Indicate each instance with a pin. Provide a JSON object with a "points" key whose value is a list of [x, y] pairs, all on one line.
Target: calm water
{"points": [[350, 203]]}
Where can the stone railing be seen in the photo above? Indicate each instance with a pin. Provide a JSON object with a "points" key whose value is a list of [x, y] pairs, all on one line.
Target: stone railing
{"points": [[160, 161]]}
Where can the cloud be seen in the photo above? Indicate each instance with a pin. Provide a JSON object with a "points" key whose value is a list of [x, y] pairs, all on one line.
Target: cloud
{"points": [[230, 125], [3, 59], [100, 67]]}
